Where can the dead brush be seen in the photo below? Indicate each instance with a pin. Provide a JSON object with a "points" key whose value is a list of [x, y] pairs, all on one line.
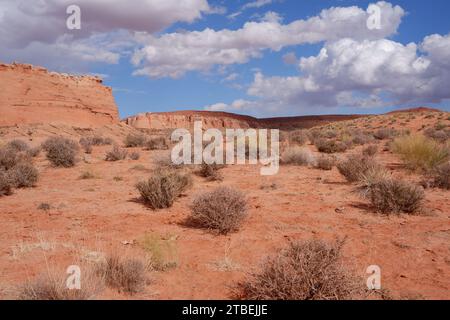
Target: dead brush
{"points": [[211, 171], [222, 209], [156, 143], [370, 151], [5, 184], [18, 145], [396, 196], [308, 270], [61, 152], [163, 188], [52, 286], [298, 137], [116, 154], [355, 166], [440, 176], [134, 140], [23, 175], [127, 275], [325, 162], [298, 156]]}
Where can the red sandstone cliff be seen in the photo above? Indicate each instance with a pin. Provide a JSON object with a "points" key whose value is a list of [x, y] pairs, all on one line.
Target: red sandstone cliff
{"points": [[223, 120], [31, 94]]}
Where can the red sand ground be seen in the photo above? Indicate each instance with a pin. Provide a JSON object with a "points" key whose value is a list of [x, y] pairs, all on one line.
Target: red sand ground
{"points": [[98, 215]]}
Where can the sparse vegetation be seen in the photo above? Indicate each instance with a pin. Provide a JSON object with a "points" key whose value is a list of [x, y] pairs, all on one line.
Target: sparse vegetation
{"points": [[18, 145], [355, 166], [384, 133], [370, 151], [162, 250], [116, 154], [421, 153], [211, 172], [330, 146], [135, 140], [23, 175], [299, 137], [156, 143], [61, 152], [124, 274], [441, 176], [44, 206], [5, 184], [298, 156], [163, 188], [86, 175], [325, 162], [310, 270], [395, 196], [34, 152], [135, 155], [223, 210]]}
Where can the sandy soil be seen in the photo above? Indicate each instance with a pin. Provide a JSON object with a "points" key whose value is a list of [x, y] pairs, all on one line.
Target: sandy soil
{"points": [[103, 214]]}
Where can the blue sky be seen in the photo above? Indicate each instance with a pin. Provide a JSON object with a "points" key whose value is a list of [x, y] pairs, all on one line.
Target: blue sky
{"points": [[233, 86]]}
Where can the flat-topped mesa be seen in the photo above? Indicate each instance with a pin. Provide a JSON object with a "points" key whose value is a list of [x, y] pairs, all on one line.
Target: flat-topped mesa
{"points": [[186, 119], [31, 95]]}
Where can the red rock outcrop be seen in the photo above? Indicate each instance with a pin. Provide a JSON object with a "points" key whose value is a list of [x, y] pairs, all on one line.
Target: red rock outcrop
{"points": [[30, 95], [223, 120]]}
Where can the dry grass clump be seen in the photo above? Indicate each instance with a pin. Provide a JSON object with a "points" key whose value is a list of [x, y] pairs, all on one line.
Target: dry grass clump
{"points": [[211, 171], [370, 151], [116, 154], [438, 135], [23, 175], [299, 137], [135, 140], [441, 176], [298, 156], [5, 184], [135, 155], [10, 157], [309, 270], [421, 153], [52, 286], [360, 138], [330, 146], [162, 251], [163, 188], [222, 209], [61, 152], [355, 166], [325, 162], [156, 143], [127, 275], [34, 152], [395, 196], [385, 133], [17, 145]]}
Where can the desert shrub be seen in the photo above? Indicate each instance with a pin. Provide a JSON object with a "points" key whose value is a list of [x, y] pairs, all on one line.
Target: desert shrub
{"points": [[95, 140], [61, 152], [163, 188], [34, 152], [8, 158], [44, 206], [211, 171], [53, 287], [156, 143], [309, 270], [124, 274], [86, 175], [361, 139], [116, 154], [298, 156], [370, 151], [87, 148], [438, 135], [325, 162], [441, 176], [421, 153], [134, 140], [17, 145], [395, 196], [135, 155], [222, 209], [299, 137], [5, 184], [355, 166], [385, 133], [330, 146], [23, 175]]}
